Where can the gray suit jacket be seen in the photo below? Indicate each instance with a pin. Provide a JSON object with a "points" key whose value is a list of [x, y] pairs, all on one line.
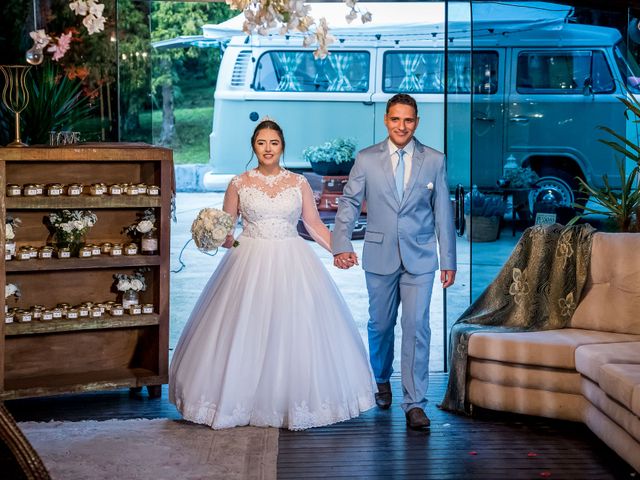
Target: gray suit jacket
{"points": [[398, 230]]}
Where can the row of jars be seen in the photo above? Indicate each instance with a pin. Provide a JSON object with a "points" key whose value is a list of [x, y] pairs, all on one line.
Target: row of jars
{"points": [[28, 252], [83, 311], [75, 189]]}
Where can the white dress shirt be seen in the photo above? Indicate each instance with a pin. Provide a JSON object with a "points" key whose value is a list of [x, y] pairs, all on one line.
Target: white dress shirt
{"points": [[408, 156]]}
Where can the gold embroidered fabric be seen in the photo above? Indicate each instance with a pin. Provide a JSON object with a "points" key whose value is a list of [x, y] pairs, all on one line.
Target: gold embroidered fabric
{"points": [[537, 289]]}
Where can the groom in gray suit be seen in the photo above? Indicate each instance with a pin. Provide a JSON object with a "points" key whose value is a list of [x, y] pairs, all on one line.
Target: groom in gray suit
{"points": [[408, 207]]}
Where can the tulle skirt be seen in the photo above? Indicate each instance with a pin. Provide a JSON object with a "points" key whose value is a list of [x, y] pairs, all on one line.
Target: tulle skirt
{"points": [[270, 342]]}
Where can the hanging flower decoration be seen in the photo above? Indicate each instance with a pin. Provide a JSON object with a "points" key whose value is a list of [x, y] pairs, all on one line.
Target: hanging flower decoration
{"points": [[261, 16], [58, 46]]}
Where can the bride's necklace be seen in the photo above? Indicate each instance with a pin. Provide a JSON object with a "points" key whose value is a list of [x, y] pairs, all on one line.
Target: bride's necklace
{"points": [[270, 180]]}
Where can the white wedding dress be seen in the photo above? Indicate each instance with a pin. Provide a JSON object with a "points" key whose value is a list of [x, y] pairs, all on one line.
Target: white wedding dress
{"points": [[271, 341]]}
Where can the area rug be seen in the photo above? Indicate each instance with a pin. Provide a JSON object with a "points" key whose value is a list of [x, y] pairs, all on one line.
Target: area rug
{"points": [[153, 449]]}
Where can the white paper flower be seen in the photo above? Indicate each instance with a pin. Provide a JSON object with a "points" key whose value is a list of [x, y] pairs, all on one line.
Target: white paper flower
{"points": [[124, 285], [136, 285], [94, 24], [40, 38], [145, 226], [79, 7]]}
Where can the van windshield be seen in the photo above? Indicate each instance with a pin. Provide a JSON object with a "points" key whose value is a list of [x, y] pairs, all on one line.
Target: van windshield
{"points": [[629, 69]]}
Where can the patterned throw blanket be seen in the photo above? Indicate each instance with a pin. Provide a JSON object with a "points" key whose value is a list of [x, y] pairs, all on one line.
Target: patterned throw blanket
{"points": [[537, 289]]}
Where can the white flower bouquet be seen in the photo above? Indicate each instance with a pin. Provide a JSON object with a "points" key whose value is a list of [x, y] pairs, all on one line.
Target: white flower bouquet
{"points": [[73, 222], [11, 289], [10, 228], [210, 229], [136, 282], [145, 224]]}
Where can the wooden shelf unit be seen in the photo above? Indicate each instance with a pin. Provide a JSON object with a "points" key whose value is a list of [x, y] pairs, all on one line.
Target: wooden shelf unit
{"points": [[64, 356]]}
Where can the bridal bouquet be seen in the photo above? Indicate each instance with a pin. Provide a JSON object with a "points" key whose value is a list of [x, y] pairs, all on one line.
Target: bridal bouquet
{"points": [[210, 229]]}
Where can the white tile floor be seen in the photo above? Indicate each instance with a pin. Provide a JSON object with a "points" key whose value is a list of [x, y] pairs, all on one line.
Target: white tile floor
{"points": [[187, 285]]}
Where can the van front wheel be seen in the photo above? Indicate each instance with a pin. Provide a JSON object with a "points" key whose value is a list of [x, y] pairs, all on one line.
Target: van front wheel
{"points": [[562, 185]]}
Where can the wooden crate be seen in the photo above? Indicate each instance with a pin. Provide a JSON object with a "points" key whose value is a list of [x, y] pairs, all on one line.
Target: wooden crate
{"points": [[63, 356]]}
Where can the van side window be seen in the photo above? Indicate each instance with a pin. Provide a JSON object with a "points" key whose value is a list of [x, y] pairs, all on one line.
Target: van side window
{"points": [[299, 71], [422, 72], [629, 69], [563, 72]]}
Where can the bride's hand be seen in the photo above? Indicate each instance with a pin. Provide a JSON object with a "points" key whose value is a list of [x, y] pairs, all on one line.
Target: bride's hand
{"points": [[228, 243]]}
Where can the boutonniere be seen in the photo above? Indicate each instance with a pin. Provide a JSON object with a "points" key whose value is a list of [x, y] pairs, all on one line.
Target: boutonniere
{"points": [[429, 186]]}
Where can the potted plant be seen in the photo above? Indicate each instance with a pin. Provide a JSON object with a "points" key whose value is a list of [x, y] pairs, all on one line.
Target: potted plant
{"points": [[520, 181], [331, 158], [482, 214], [620, 206]]}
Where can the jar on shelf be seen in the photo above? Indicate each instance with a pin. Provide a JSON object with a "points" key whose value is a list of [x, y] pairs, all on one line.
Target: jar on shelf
{"points": [[73, 314], [85, 252], [63, 252], [46, 315], [45, 252], [135, 309], [23, 316], [153, 190], [130, 297], [57, 313], [30, 190], [83, 311], [96, 189], [23, 253], [55, 189], [105, 247], [131, 249], [9, 249], [33, 252], [115, 189], [131, 190], [95, 249], [95, 312], [74, 189], [116, 250], [40, 187], [117, 310], [147, 308], [14, 190], [8, 317], [36, 312], [149, 243], [142, 188]]}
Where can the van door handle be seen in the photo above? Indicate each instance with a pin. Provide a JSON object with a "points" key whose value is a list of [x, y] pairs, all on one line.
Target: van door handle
{"points": [[367, 103], [519, 119], [483, 118]]}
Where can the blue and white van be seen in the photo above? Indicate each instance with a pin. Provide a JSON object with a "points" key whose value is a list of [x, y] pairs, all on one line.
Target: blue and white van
{"points": [[536, 89]]}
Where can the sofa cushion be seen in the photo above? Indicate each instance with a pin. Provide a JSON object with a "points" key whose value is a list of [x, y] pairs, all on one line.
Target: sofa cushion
{"points": [[548, 348], [525, 376], [622, 382], [589, 358], [611, 299]]}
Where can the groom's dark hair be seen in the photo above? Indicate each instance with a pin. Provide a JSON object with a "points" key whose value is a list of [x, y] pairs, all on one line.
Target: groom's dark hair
{"points": [[403, 99]]}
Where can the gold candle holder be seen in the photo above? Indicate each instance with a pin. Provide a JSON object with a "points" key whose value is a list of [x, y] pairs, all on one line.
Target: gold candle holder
{"points": [[15, 95]]}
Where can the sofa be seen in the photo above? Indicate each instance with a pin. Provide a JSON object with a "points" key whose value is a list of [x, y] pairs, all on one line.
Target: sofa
{"points": [[587, 372]]}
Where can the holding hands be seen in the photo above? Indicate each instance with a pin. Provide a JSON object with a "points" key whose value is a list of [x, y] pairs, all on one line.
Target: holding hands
{"points": [[345, 260]]}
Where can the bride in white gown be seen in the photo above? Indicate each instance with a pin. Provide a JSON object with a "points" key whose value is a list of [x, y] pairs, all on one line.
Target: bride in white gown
{"points": [[271, 341]]}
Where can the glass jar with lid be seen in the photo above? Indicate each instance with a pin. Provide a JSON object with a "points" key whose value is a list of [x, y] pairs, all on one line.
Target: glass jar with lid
{"points": [[85, 252], [153, 190], [115, 189], [147, 308], [95, 249], [45, 252], [14, 190], [149, 243], [74, 189], [131, 249], [116, 250], [55, 189], [105, 247], [47, 315], [30, 190], [63, 252], [23, 253], [117, 310]]}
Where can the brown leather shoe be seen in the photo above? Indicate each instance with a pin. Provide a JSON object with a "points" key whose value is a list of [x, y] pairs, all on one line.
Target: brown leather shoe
{"points": [[417, 419], [383, 397]]}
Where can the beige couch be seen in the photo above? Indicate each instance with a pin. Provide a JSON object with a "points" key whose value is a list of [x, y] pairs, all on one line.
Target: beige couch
{"points": [[587, 373]]}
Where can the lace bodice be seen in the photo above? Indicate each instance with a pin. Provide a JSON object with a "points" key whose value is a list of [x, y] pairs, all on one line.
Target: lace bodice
{"points": [[270, 206]]}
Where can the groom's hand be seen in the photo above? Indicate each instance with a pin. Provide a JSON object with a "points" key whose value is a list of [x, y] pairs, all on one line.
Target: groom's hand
{"points": [[345, 260], [447, 277]]}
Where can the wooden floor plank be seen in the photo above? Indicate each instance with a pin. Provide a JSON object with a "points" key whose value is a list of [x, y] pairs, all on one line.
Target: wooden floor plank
{"points": [[377, 445]]}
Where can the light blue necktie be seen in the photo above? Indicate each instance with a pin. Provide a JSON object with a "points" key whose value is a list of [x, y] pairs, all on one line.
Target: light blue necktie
{"points": [[400, 173]]}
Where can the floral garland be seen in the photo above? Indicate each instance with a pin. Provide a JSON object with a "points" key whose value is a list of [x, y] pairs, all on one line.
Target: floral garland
{"points": [[263, 15], [58, 46]]}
